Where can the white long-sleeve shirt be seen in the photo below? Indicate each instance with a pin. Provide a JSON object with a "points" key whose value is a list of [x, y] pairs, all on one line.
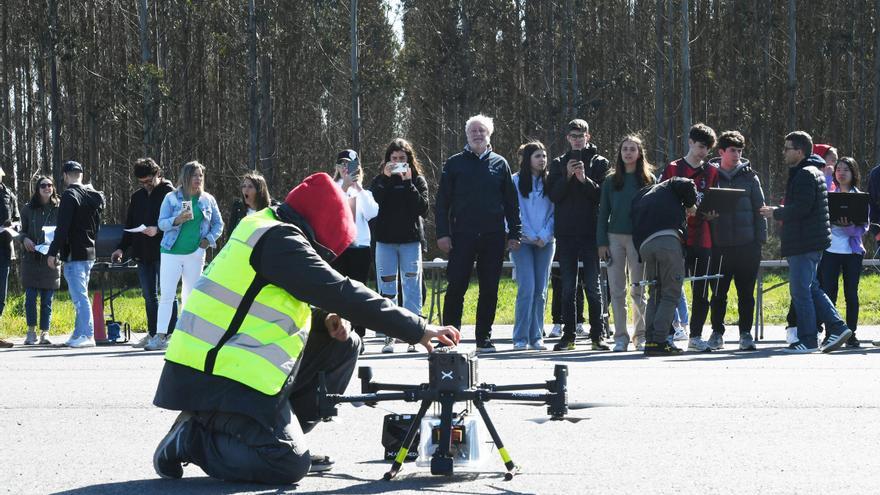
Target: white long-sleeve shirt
{"points": [[365, 209]]}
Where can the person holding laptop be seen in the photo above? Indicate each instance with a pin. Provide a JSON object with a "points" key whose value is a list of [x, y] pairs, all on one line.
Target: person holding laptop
{"points": [[846, 252]]}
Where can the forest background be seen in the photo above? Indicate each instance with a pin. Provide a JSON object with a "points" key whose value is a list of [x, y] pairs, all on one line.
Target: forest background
{"points": [[267, 84]]}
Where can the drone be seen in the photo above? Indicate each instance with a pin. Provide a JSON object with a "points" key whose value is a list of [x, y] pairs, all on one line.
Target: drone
{"points": [[452, 379]]}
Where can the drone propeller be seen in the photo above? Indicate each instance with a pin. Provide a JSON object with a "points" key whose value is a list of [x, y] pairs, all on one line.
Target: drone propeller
{"points": [[574, 406], [570, 419]]}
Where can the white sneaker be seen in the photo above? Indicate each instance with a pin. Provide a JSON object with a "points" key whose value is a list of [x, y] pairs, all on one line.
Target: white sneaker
{"points": [[696, 344], [69, 340], [791, 335], [620, 347], [556, 331], [680, 333], [520, 346], [82, 341], [388, 348], [580, 331], [141, 343], [538, 346], [159, 342]]}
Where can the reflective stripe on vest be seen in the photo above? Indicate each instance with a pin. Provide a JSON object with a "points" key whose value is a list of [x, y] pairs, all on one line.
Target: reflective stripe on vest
{"points": [[261, 351]]}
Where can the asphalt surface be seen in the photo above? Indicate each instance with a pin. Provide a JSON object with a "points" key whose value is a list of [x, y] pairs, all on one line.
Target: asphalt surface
{"points": [[729, 422]]}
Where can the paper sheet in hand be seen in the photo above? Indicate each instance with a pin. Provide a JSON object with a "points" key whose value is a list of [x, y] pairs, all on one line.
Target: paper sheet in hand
{"points": [[48, 236], [139, 228], [720, 200], [852, 206]]}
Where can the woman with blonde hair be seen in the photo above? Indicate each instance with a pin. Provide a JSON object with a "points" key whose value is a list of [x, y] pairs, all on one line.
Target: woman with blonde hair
{"points": [[191, 222]]}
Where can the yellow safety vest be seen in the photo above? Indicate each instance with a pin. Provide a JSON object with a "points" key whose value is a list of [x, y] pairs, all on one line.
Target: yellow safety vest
{"points": [[237, 325]]}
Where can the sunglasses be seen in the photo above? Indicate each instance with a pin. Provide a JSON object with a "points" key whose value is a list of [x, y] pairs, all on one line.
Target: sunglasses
{"points": [[46, 185]]}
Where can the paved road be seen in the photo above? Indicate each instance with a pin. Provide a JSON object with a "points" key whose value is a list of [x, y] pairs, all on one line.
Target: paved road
{"points": [[81, 422]]}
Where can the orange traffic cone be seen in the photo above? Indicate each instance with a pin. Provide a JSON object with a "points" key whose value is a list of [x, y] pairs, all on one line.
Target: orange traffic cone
{"points": [[98, 316]]}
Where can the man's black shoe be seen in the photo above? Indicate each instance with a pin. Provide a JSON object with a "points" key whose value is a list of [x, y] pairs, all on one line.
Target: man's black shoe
{"points": [[853, 342], [661, 349], [600, 346], [321, 463], [169, 454], [485, 347]]}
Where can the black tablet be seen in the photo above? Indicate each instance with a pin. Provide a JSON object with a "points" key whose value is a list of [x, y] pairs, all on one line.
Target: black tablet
{"points": [[852, 206], [720, 200]]}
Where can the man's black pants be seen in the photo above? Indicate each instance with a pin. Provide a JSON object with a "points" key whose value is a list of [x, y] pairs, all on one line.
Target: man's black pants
{"points": [[738, 264], [696, 263], [238, 448], [488, 252], [572, 249]]}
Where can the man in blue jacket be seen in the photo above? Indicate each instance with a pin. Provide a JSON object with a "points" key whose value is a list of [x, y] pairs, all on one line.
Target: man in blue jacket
{"points": [[806, 232], [474, 199]]}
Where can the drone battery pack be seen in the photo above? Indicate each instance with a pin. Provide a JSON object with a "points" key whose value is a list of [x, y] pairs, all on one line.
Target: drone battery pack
{"points": [[394, 429], [452, 371]]}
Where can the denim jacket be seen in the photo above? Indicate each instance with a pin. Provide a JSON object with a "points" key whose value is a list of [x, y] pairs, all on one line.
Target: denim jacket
{"points": [[212, 223]]}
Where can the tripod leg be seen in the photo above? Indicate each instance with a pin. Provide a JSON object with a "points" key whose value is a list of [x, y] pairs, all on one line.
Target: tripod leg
{"points": [[407, 441], [508, 462]]}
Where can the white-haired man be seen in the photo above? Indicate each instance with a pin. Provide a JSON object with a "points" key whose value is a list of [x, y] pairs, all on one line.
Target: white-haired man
{"points": [[475, 196]]}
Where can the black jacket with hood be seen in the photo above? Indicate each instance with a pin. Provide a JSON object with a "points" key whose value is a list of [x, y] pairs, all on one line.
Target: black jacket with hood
{"points": [[661, 207], [79, 218], [576, 209], [745, 225], [289, 257], [806, 226]]}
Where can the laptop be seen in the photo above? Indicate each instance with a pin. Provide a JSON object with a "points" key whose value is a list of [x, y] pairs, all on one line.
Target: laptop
{"points": [[720, 200], [852, 206]]}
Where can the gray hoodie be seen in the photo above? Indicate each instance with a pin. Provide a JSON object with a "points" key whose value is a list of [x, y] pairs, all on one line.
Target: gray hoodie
{"points": [[745, 225]]}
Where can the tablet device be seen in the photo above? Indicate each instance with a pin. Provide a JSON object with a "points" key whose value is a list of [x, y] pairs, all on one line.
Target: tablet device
{"points": [[720, 200], [852, 206]]}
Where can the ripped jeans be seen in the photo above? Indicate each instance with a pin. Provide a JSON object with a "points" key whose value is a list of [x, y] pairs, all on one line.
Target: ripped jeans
{"points": [[405, 260]]}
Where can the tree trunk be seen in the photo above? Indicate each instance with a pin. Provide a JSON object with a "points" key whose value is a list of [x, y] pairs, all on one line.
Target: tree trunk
{"points": [[876, 82], [355, 81], [55, 98], [792, 64], [659, 73], [253, 104], [685, 74]]}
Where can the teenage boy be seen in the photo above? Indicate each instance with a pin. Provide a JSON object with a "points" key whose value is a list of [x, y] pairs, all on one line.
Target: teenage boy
{"points": [[574, 186], [698, 242], [736, 240], [806, 233]]}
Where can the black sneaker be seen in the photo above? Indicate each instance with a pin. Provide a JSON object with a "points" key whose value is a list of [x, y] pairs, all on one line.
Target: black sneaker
{"points": [[600, 346], [564, 345], [169, 454], [485, 347], [661, 349], [321, 463], [836, 340], [853, 342]]}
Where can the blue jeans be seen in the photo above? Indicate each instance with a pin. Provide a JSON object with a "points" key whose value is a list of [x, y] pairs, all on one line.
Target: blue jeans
{"points": [[77, 275], [405, 259], [5, 260], [808, 299], [30, 307], [532, 273], [148, 273], [681, 311]]}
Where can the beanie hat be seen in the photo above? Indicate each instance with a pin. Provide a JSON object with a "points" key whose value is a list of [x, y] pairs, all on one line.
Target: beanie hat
{"points": [[326, 209], [821, 149]]}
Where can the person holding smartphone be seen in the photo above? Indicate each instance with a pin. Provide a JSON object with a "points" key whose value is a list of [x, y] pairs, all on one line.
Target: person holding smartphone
{"points": [[355, 261], [401, 192], [631, 172], [191, 222]]}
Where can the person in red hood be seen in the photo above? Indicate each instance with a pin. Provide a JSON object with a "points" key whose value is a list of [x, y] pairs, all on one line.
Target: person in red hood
{"points": [[248, 401], [830, 155]]}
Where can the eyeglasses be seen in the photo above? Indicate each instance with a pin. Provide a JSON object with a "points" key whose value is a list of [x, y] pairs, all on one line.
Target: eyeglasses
{"points": [[45, 185]]}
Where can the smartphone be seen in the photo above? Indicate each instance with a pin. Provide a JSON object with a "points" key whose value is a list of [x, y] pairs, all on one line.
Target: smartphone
{"points": [[186, 206], [400, 168], [577, 155], [353, 167]]}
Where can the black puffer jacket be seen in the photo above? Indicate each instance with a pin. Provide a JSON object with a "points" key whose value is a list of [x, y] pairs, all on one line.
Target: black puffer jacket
{"points": [[805, 222], [662, 207], [577, 205], [79, 217], [745, 225]]}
